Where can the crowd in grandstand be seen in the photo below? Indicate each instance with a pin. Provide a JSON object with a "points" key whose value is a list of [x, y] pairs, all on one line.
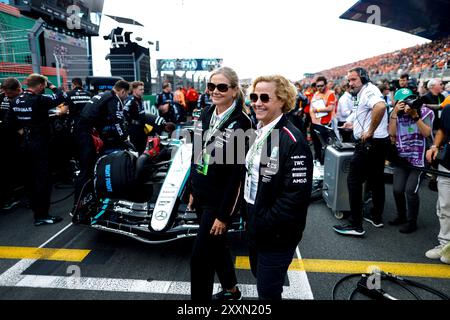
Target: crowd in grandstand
{"points": [[434, 55]]}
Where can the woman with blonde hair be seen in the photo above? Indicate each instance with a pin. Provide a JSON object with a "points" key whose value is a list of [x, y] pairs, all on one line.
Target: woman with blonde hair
{"points": [[277, 185], [217, 186]]}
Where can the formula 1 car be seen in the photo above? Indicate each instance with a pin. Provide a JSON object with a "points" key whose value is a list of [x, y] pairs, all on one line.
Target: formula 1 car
{"points": [[143, 197]]}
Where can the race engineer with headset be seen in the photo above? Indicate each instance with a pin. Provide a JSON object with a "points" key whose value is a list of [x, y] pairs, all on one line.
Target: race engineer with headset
{"points": [[29, 116]]}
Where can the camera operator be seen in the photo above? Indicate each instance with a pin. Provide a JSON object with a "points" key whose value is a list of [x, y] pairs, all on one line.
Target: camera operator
{"points": [[409, 126], [369, 123], [29, 116], [442, 144], [102, 114]]}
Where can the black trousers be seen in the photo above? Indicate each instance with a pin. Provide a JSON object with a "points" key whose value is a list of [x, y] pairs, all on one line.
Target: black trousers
{"points": [[406, 184], [269, 267], [367, 164], [138, 137], [9, 165], [210, 255], [38, 185], [319, 142]]}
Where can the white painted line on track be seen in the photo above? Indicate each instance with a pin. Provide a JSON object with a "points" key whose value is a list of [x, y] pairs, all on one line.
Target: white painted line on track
{"points": [[13, 275], [299, 288], [16, 279], [299, 282], [56, 235]]}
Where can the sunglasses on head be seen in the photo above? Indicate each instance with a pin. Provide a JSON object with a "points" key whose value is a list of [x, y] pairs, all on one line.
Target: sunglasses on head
{"points": [[222, 87], [264, 97]]}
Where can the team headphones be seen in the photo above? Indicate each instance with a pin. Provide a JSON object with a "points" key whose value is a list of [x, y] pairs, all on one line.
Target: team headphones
{"points": [[363, 74]]}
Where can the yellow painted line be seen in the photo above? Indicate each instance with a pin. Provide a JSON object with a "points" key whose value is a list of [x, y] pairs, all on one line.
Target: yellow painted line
{"points": [[18, 253], [350, 267]]}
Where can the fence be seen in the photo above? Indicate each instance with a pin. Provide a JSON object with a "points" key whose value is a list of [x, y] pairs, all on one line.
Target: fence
{"points": [[15, 55]]}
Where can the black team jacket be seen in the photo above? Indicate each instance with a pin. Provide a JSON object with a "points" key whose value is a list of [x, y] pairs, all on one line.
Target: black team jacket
{"points": [[284, 191], [222, 187]]}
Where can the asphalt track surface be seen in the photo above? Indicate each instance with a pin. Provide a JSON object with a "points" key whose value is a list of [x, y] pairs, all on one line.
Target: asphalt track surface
{"points": [[114, 267]]}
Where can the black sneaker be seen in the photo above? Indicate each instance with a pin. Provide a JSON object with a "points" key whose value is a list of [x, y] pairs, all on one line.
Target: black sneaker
{"points": [[47, 220], [349, 230], [228, 296], [397, 221], [410, 227], [377, 223]]}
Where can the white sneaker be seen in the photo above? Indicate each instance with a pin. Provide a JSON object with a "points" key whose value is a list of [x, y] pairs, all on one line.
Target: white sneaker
{"points": [[445, 260], [435, 253]]}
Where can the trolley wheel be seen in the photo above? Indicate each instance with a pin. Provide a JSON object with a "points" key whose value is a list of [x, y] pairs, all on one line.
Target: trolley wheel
{"points": [[339, 215]]}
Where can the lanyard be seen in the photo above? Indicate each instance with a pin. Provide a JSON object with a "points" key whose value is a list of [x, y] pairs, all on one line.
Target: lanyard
{"points": [[254, 150], [215, 124]]}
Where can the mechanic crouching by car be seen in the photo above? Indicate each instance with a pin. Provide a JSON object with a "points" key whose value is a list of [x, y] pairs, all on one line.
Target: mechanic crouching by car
{"points": [[100, 129], [29, 116]]}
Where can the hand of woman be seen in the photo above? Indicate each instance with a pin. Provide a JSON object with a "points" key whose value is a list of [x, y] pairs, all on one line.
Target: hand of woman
{"points": [[411, 112], [218, 228], [400, 106]]}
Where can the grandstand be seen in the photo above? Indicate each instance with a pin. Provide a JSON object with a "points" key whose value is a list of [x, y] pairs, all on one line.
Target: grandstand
{"points": [[422, 62], [425, 19]]}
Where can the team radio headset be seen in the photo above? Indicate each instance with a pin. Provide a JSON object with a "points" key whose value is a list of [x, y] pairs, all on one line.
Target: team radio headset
{"points": [[214, 125]]}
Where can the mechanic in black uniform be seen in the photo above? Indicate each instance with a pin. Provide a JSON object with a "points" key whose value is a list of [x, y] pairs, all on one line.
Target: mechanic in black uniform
{"points": [[164, 103], [134, 114], [217, 185], [78, 98], [157, 125], [66, 144], [9, 90], [29, 116], [102, 114]]}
